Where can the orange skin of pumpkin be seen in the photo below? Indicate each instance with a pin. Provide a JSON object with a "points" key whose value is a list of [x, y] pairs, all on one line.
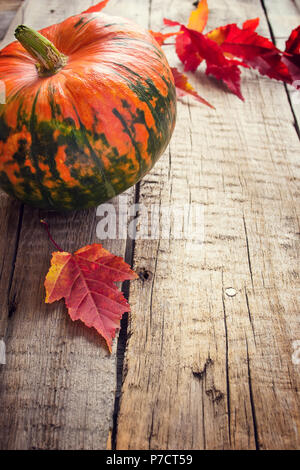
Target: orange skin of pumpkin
{"points": [[89, 123]]}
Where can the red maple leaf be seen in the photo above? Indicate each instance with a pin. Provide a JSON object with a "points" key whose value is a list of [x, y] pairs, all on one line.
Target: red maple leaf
{"points": [[292, 45], [256, 51], [187, 51], [198, 18], [86, 279], [183, 87], [228, 47], [293, 65], [291, 57], [251, 24], [161, 37], [192, 47]]}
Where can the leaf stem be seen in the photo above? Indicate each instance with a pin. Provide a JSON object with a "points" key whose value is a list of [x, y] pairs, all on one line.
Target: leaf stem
{"points": [[47, 228]]}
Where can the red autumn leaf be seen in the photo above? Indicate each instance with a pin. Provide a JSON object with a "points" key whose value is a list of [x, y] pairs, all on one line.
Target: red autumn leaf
{"points": [[86, 279], [198, 18], [96, 8], [217, 64], [192, 47], [255, 50], [293, 65], [292, 45], [161, 37], [171, 22], [185, 48], [246, 43], [228, 47], [183, 87], [291, 57], [188, 52], [251, 24], [224, 33], [230, 75]]}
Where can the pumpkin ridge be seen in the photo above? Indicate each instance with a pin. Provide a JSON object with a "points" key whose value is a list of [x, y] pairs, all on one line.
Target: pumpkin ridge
{"points": [[79, 22], [84, 24], [110, 190], [141, 92], [128, 132], [139, 89], [33, 157]]}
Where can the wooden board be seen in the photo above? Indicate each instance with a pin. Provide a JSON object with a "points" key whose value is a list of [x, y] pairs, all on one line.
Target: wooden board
{"points": [[208, 361], [57, 389], [203, 369], [7, 12]]}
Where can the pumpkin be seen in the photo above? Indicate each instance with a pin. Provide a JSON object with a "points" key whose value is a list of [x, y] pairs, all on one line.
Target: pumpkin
{"points": [[90, 107]]}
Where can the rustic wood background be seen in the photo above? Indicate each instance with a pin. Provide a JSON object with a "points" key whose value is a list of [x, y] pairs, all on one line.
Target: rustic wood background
{"points": [[194, 367]]}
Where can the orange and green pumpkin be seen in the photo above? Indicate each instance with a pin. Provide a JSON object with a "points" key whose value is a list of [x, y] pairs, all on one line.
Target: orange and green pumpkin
{"points": [[90, 107]]}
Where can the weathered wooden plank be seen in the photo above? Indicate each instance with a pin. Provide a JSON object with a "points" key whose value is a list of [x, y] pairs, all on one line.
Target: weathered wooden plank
{"points": [[283, 17], [207, 366], [11, 217], [7, 12], [9, 5], [10, 211], [57, 389]]}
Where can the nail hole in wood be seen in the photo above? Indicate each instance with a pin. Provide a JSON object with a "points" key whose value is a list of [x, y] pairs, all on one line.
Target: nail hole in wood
{"points": [[144, 274]]}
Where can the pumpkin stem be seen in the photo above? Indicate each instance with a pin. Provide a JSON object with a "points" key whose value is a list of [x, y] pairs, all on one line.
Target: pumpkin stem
{"points": [[49, 59]]}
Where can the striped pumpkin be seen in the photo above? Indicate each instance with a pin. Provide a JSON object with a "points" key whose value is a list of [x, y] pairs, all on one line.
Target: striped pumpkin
{"points": [[90, 107]]}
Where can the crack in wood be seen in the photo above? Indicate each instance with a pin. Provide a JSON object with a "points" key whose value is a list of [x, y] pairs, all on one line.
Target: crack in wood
{"points": [[11, 303], [203, 418], [248, 250], [255, 430], [226, 362], [249, 314], [123, 335], [153, 281]]}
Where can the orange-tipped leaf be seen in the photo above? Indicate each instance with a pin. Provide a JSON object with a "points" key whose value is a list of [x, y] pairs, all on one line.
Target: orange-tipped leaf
{"points": [[86, 280]]}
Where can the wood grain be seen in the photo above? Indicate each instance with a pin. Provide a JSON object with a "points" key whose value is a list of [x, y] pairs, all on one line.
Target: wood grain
{"points": [[57, 389], [203, 369], [7, 12]]}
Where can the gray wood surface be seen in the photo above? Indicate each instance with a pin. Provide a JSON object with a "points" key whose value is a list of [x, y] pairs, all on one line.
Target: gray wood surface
{"points": [[203, 369], [7, 12]]}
